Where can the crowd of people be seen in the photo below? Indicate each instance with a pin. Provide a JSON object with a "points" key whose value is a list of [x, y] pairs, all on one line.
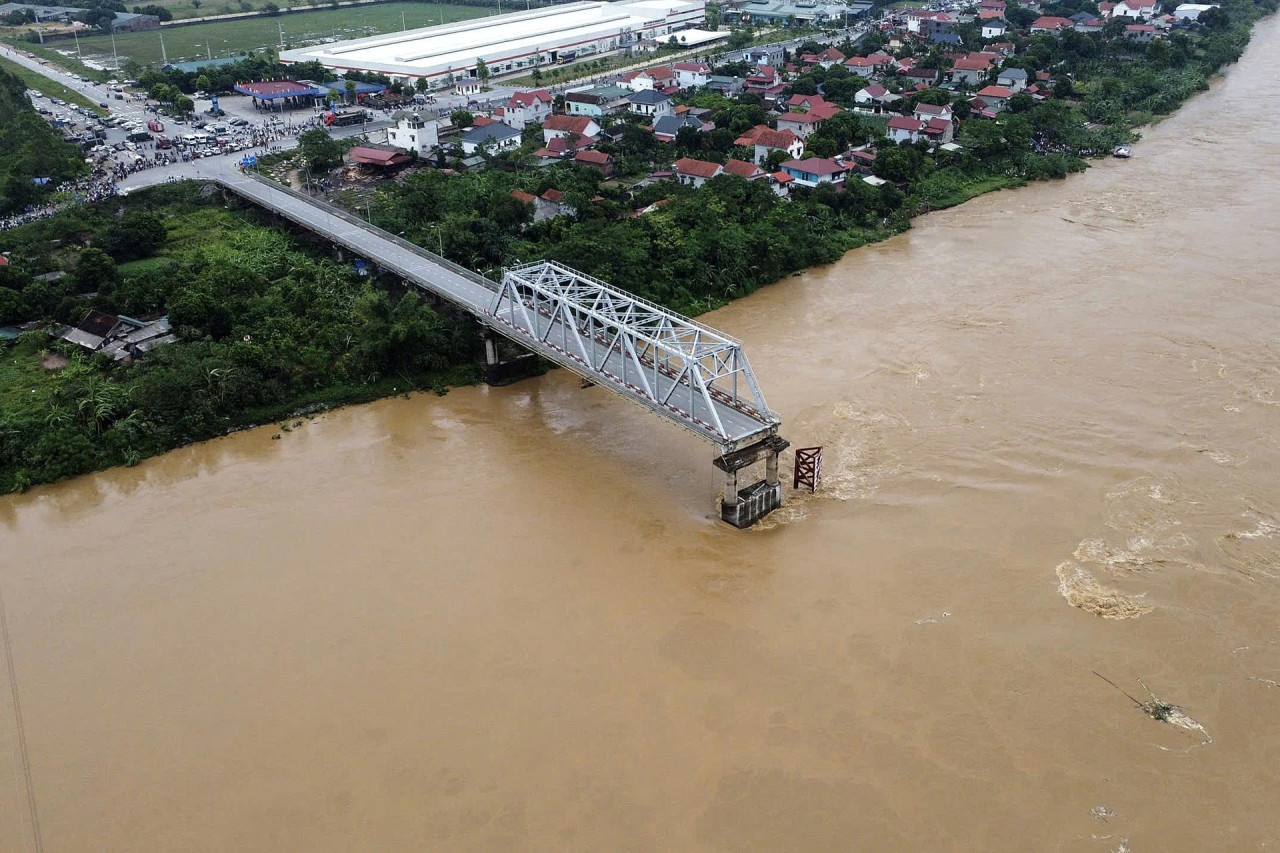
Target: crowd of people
{"points": [[102, 184]]}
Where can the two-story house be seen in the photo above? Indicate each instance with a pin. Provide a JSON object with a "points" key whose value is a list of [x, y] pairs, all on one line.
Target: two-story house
{"points": [[691, 74], [414, 133], [524, 108], [649, 103]]}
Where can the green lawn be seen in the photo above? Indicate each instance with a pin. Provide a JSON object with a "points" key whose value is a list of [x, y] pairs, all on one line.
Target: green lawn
{"points": [[49, 88], [222, 38]]}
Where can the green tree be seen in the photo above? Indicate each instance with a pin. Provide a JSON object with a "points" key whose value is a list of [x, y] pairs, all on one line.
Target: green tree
{"points": [[482, 71], [137, 234], [94, 270], [320, 150], [462, 118]]}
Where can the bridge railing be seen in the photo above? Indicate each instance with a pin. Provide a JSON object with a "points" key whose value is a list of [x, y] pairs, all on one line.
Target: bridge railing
{"points": [[334, 210]]}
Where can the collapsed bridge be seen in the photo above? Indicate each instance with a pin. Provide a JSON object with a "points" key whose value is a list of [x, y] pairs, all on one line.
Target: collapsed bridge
{"points": [[674, 367]]}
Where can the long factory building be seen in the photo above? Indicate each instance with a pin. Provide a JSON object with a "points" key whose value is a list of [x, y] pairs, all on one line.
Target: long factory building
{"points": [[508, 42]]}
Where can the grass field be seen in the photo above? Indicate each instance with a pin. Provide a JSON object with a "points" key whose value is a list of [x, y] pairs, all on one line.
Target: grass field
{"points": [[49, 88], [222, 38]]}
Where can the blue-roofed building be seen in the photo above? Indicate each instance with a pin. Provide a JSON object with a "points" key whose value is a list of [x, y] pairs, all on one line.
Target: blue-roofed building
{"points": [[945, 38]]}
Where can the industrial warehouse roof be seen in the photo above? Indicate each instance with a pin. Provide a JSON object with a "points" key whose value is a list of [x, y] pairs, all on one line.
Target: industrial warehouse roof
{"points": [[518, 36]]}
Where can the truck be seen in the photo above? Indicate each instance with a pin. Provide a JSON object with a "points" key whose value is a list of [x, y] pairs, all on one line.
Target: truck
{"points": [[345, 118], [139, 136]]}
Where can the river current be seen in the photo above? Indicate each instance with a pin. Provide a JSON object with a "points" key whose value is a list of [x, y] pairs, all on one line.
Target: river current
{"points": [[508, 619]]}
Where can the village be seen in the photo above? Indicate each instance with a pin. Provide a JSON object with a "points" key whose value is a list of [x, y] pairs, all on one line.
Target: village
{"points": [[820, 114]]}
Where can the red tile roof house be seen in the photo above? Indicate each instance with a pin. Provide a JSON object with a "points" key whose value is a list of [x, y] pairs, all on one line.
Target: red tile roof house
{"points": [[381, 158], [695, 173], [595, 160], [815, 170], [743, 169], [1004, 48], [801, 124], [780, 181], [826, 58], [1141, 33], [939, 130], [904, 129], [555, 198], [996, 98], [559, 125], [863, 66], [659, 77], [1051, 24], [763, 140], [927, 76], [969, 72], [925, 112], [564, 147]]}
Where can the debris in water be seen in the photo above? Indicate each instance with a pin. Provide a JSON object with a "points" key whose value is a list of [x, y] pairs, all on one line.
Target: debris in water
{"points": [[1267, 681], [1158, 709], [931, 620], [1102, 813]]}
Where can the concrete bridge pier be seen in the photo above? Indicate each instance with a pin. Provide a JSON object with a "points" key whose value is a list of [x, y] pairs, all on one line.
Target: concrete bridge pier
{"points": [[503, 371], [742, 506]]}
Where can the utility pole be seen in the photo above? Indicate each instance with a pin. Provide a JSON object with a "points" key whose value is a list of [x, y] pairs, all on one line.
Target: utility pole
{"points": [[75, 33], [114, 55], [164, 57], [403, 25], [280, 24]]}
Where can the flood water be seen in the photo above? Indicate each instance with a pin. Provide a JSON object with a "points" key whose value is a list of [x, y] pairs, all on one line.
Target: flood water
{"points": [[507, 619]]}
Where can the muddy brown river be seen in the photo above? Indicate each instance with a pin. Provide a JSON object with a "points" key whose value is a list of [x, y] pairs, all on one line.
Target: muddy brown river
{"points": [[508, 619]]}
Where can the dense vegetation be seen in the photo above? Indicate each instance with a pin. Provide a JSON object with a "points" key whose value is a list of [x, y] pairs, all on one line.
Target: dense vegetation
{"points": [[29, 150], [267, 328]]}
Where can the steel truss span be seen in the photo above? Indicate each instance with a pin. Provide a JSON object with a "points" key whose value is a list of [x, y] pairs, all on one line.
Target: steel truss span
{"points": [[676, 367]]}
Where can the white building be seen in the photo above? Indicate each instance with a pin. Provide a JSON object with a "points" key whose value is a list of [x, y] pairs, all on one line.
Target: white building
{"points": [[1191, 11], [524, 108], [508, 42], [412, 132]]}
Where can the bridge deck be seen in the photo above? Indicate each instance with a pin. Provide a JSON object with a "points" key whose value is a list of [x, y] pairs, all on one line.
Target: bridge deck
{"points": [[725, 423]]}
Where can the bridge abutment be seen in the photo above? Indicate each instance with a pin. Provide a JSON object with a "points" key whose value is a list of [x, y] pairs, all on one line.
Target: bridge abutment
{"points": [[742, 506]]}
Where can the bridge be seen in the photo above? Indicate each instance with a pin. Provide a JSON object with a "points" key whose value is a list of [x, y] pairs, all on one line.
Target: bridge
{"points": [[670, 365]]}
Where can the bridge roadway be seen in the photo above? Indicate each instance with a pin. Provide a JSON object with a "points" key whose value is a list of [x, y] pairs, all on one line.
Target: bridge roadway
{"points": [[477, 295]]}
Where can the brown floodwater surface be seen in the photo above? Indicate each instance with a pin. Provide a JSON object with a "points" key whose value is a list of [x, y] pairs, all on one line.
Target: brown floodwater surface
{"points": [[507, 619]]}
